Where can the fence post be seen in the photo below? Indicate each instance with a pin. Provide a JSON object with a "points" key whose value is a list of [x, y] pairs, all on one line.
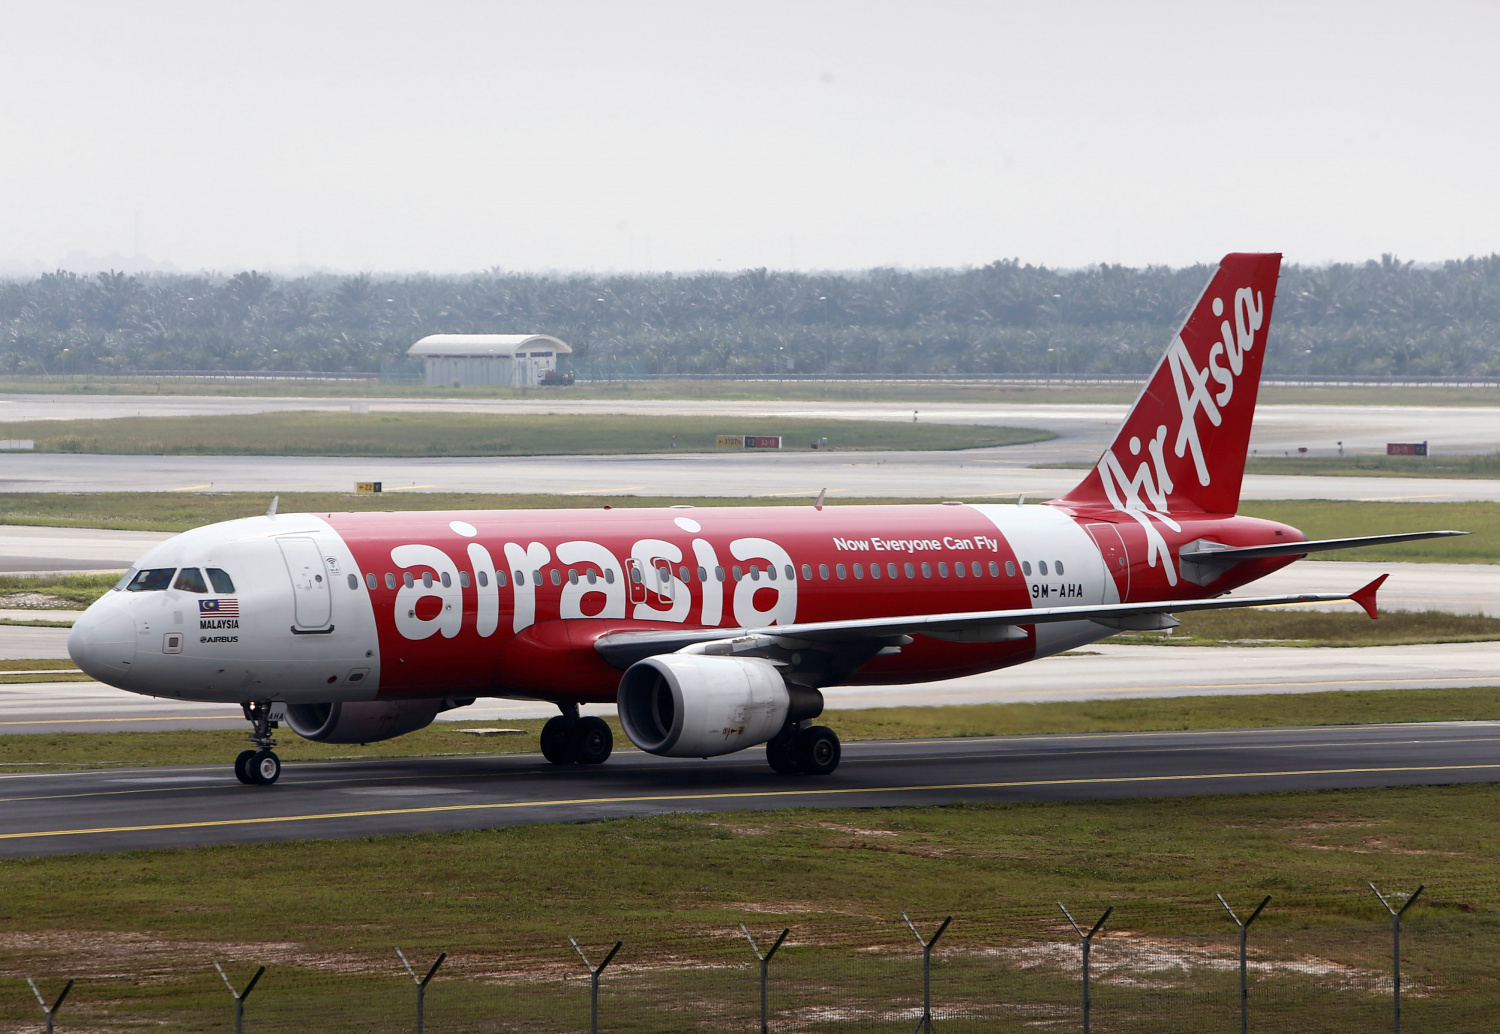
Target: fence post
{"points": [[240, 996], [1244, 983], [421, 983], [926, 1020], [1087, 939], [1396, 948], [49, 1011], [594, 982], [765, 963]]}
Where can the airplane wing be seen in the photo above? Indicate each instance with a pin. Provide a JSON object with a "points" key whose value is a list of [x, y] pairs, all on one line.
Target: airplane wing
{"points": [[622, 649]]}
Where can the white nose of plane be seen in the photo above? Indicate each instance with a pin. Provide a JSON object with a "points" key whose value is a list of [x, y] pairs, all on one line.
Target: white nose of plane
{"points": [[102, 643]]}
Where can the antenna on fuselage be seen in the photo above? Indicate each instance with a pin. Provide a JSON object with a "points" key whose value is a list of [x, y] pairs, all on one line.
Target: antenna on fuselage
{"points": [[818, 502], [271, 510]]}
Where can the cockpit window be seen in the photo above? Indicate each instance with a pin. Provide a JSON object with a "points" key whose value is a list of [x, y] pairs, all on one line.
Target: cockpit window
{"points": [[153, 579], [190, 579], [220, 578], [125, 580]]}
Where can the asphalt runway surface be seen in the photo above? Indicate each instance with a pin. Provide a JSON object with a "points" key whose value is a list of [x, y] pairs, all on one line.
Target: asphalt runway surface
{"points": [[139, 808], [1103, 671]]}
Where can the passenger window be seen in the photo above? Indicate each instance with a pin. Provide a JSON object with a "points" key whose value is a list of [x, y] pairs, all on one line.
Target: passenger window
{"points": [[220, 580], [407, 579], [979, 570], [484, 579], [592, 576], [874, 570], [370, 579], [463, 579], [556, 576], [426, 579], [572, 576], [942, 569], [1058, 564], [911, 572], [738, 574], [958, 569], [499, 578], [807, 571], [1010, 570], [190, 579], [771, 571], [719, 574], [841, 572], [521, 578], [859, 571], [890, 569], [926, 569], [754, 573], [153, 579], [703, 574], [390, 580], [791, 573], [447, 580], [686, 575], [354, 581], [1026, 568], [823, 571], [635, 575], [536, 578]]}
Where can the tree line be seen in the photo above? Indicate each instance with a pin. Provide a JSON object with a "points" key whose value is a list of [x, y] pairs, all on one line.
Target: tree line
{"points": [[1385, 318]]}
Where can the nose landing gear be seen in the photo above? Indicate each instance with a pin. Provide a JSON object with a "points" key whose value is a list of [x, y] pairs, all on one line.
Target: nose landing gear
{"points": [[261, 766]]}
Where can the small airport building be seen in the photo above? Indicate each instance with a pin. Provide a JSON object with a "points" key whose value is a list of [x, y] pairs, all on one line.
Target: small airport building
{"points": [[519, 360]]}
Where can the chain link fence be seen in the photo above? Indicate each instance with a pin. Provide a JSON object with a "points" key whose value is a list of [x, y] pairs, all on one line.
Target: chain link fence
{"points": [[1315, 962]]}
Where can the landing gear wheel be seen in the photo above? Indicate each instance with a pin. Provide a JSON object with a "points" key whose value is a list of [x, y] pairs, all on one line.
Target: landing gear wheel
{"points": [[817, 750], [780, 753], [241, 767], [558, 741], [592, 741], [264, 767]]}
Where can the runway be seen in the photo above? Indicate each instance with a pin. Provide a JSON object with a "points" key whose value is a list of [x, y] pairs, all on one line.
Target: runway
{"points": [[142, 808], [1103, 671]]}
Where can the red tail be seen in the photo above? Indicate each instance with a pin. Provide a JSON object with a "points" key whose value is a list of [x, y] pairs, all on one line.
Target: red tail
{"points": [[1183, 445]]}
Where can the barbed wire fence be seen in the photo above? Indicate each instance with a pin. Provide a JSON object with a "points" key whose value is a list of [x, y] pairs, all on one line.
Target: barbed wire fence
{"points": [[1346, 962]]}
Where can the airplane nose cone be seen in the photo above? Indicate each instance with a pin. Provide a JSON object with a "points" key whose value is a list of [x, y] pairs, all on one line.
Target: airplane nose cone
{"points": [[102, 644]]}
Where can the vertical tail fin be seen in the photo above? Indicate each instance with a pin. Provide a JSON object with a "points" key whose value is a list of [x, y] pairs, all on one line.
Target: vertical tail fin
{"points": [[1183, 445]]}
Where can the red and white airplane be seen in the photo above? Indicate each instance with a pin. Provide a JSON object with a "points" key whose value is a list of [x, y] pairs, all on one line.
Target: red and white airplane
{"points": [[715, 629]]}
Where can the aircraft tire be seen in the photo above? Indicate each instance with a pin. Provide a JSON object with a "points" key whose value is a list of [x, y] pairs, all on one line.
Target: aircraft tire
{"points": [[242, 767], [817, 750], [557, 741], [781, 754], [592, 741], [264, 767]]}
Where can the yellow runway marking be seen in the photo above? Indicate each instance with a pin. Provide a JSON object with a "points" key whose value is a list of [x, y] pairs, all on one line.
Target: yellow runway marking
{"points": [[167, 718], [740, 795], [191, 488], [409, 488], [602, 491]]}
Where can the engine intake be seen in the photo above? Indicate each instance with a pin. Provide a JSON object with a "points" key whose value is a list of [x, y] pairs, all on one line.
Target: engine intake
{"points": [[365, 721], [694, 706]]}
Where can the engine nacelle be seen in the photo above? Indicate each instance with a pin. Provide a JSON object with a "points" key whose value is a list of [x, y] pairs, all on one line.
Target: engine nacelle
{"points": [[691, 706], [365, 721]]}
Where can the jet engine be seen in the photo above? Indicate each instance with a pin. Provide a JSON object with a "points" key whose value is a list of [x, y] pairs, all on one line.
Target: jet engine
{"points": [[693, 706], [365, 721]]}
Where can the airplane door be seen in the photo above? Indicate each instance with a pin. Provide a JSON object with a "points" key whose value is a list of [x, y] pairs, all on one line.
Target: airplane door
{"points": [[1112, 548], [637, 582], [311, 590]]}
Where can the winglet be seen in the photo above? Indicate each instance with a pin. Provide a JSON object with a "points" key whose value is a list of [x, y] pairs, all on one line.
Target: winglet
{"points": [[271, 510], [822, 494], [1366, 597]]}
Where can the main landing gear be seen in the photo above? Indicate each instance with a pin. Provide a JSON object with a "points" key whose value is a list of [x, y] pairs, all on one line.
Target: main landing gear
{"points": [[261, 766], [811, 751], [569, 739]]}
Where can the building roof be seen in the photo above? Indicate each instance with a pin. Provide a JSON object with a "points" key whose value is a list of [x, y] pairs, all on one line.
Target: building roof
{"points": [[485, 346]]}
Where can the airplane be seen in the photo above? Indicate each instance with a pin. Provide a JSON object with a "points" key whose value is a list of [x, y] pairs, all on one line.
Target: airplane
{"points": [[713, 629]]}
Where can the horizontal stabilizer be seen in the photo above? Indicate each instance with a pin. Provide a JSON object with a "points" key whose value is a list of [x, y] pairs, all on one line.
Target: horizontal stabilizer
{"points": [[1212, 553]]}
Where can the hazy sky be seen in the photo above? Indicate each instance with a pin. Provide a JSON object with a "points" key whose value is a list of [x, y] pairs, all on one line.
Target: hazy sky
{"points": [[684, 136]]}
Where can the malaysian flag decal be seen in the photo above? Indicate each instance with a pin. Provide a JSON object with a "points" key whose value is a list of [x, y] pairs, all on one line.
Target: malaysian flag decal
{"points": [[219, 608]]}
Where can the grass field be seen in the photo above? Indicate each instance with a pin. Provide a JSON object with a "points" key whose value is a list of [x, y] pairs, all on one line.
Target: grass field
{"points": [[179, 511], [474, 434], [139, 929], [1300, 627], [213, 747]]}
